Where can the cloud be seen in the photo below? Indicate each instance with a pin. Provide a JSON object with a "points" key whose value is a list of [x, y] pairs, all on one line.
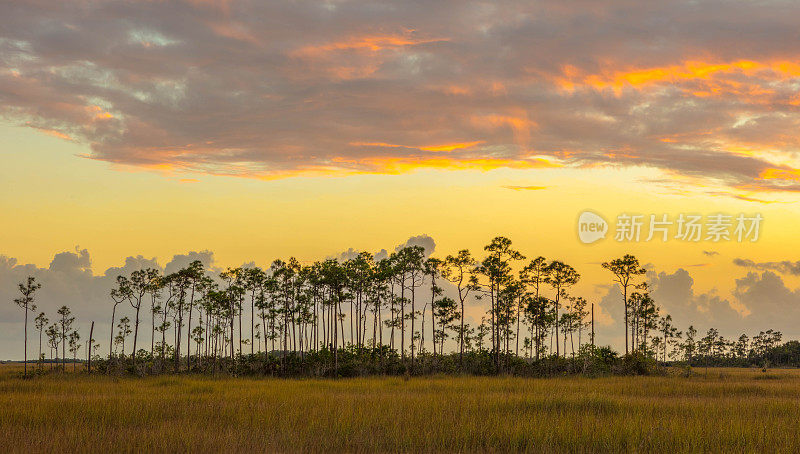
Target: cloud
{"points": [[741, 197], [710, 253], [425, 241], [784, 267], [72, 263], [349, 254], [526, 188], [674, 293], [69, 280], [132, 264], [275, 89], [180, 261], [771, 302]]}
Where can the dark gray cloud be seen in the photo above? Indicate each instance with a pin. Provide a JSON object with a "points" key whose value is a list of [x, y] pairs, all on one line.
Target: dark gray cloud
{"points": [[269, 89]]}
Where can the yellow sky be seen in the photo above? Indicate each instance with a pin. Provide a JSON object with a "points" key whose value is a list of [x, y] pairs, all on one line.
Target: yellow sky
{"points": [[54, 200]]}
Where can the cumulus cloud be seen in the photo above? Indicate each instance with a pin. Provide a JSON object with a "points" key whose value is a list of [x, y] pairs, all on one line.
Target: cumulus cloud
{"points": [[68, 262], [424, 241], [180, 261], [674, 293], [771, 302], [272, 89], [344, 256], [760, 302], [132, 264], [69, 280]]}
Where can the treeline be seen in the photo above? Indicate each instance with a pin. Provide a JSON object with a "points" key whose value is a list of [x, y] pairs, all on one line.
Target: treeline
{"points": [[366, 316]]}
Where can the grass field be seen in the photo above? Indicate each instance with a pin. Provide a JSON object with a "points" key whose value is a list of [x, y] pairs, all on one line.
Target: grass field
{"points": [[725, 410]]}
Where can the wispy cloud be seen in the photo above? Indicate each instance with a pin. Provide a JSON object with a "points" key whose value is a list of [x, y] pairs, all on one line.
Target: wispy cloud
{"points": [[526, 188], [785, 266], [742, 197]]}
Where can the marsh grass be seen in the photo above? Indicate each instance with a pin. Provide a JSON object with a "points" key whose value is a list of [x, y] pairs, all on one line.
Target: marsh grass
{"points": [[732, 410]]}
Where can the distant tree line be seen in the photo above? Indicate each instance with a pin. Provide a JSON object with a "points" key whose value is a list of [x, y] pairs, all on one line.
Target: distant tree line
{"points": [[367, 316]]}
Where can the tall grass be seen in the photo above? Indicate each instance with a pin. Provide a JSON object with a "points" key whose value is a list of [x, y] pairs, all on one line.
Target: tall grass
{"points": [[727, 410]]}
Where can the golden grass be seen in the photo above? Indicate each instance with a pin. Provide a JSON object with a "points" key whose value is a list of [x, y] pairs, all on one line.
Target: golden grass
{"points": [[728, 410]]}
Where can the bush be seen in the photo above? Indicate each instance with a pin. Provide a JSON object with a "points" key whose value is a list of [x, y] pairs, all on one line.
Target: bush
{"points": [[354, 362], [636, 363]]}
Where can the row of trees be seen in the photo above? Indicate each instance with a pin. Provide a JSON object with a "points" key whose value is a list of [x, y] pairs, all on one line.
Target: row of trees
{"points": [[712, 348], [60, 334], [360, 302], [365, 306]]}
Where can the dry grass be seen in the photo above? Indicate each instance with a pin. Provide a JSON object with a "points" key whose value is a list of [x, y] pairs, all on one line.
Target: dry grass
{"points": [[728, 410]]}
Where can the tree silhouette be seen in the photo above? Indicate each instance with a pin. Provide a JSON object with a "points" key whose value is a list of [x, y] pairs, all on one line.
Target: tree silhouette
{"points": [[27, 289], [65, 323], [446, 312], [41, 321], [533, 276], [560, 276], [460, 270], [497, 267], [118, 296], [432, 270], [625, 269], [139, 284], [411, 261], [74, 346], [124, 330], [53, 338]]}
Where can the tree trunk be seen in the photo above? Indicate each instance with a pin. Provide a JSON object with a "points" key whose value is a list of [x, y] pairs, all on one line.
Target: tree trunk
{"points": [[63, 347], [25, 373], [558, 294], [625, 301], [89, 362], [519, 311], [136, 332], [189, 340], [413, 317], [111, 343], [403, 319], [152, 326]]}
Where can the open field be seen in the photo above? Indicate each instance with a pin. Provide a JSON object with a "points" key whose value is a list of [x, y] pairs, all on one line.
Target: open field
{"points": [[727, 410]]}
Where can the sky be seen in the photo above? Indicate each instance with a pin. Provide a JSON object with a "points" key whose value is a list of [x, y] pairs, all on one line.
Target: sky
{"points": [[136, 132]]}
